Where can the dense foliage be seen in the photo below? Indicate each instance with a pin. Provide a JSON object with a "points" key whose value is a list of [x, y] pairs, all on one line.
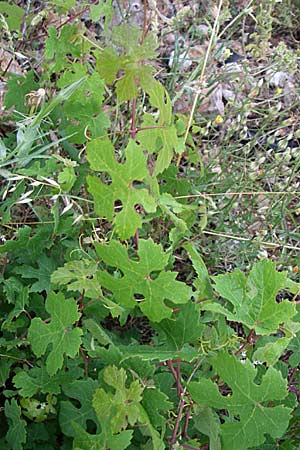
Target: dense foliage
{"points": [[114, 333]]}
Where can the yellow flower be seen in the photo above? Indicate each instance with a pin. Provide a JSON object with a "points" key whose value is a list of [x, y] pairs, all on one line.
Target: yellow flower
{"points": [[218, 120]]}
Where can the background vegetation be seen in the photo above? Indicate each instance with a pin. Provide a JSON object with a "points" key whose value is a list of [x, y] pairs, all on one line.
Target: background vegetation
{"points": [[149, 163]]}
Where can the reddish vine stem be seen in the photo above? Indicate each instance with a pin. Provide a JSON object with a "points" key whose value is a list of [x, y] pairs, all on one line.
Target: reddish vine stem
{"points": [[176, 376], [190, 447], [247, 341], [178, 419], [145, 28], [186, 423], [133, 129]]}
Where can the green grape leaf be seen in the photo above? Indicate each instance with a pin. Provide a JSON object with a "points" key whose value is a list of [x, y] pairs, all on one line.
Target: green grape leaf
{"points": [[161, 353], [13, 15], [27, 248], [105, 9], [183, 328], [64, 5], [45, 268], [101, 156], [153, 402], [58, 334], [159, 135], [87, 441], [78, 276], [83, 110], [5, 366], [16, 435], [129, 38], [38, 380], [202, 283], [21, 86], [174, 183], [120, 408], [207, 422], [108, 64], [131, 61], [82, 391], [127, 87], [67, 178], [146, 277], [249, 405], [271, 352], [253, 298], [294, 347], [59, 45], [20, 303]]}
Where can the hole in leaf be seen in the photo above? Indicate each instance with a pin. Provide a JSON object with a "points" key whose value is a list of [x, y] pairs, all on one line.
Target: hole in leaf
{"points": [[91, 426], [139, 297], [153, 275], [137, 184], [224, 389], [118, 205], [106, 178], [139, 208]]}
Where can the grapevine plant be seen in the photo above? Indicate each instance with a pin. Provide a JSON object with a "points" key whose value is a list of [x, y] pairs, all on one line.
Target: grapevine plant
{"points": [[114, 334]]}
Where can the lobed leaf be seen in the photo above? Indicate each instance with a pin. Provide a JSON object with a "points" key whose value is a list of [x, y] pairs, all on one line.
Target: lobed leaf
{"points": [[251, 406], [101, 157], [139, 280], [58, 334]]}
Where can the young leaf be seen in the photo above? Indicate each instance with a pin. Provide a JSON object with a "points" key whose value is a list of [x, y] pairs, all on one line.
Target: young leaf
{"points": [[139, 279], [131, 61], [250, 407], [58, 333], [271, 352], [159, 136], [78, 276], [101, 156], [69, 415], [121, 408], [16, 435], [59, 45], [253, 298]]}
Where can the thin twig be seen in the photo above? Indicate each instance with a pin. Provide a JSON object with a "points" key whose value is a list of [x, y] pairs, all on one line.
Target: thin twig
{"points": [[186, 423], [145, 28], [262, 243], [176, 377], [182, 404], [221, 194]]}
